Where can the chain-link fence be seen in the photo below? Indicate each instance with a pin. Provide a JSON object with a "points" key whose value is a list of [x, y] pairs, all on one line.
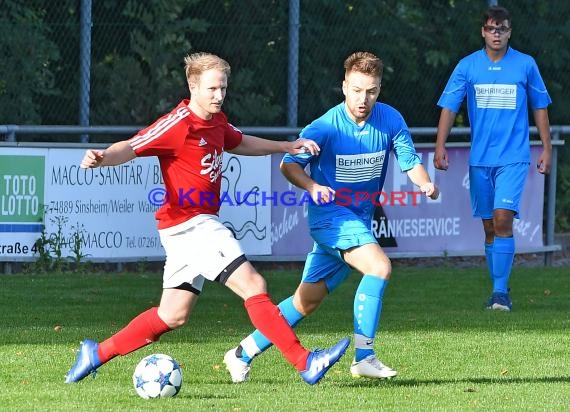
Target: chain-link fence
{"points": [[137, 50]]}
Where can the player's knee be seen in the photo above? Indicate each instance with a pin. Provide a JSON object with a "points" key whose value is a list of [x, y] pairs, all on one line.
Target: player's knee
{"points": [[504, 230], [253, 284], [382, 269], [503, 222], [258, 283]]}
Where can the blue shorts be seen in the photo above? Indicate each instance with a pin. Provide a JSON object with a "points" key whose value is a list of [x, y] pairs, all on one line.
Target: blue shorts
{"points": [[325, 261], [498, 187]]}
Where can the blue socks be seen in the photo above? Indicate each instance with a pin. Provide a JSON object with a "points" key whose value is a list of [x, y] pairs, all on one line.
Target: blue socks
{"points": [[367, 309], [503, 255], [256, 343]]}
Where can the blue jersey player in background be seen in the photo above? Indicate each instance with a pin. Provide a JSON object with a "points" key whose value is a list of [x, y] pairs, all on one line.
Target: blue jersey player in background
{"points": [[500, 83], [356, 138]]}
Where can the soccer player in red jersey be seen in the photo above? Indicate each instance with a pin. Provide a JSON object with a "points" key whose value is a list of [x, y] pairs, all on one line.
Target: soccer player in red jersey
{"points": [[189, 143]]}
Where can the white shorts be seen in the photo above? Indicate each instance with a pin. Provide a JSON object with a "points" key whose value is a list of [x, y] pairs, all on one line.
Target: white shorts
{"points": [[200, 248]]}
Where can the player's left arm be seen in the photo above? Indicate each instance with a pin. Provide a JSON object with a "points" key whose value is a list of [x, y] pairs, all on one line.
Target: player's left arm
{"points": [[543, 125], [419, 176], [256, 146]]}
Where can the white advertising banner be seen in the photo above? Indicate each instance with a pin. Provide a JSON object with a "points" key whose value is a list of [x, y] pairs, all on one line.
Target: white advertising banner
{"points": [[109, 212]]}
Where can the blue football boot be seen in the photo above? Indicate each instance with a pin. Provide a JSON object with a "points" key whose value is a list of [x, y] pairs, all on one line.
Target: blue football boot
{"points": [[500, 301], [86, 363], [320, 361]]}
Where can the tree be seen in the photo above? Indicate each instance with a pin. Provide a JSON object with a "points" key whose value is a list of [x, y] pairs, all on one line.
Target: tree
{"points": [[27, 63], [141, 76]]}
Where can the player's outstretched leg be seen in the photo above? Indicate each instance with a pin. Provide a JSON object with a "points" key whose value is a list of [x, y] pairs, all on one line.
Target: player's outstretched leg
{"points": [[144, 329], [320, 361], [86, 363]]}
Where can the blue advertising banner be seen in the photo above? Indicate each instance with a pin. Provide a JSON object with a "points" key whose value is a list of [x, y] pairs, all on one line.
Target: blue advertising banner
{"points": [[408, 223]]}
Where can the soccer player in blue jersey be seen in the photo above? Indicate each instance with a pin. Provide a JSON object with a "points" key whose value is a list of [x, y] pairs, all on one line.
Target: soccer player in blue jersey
{"points": [[356, 138], [500, 82]]}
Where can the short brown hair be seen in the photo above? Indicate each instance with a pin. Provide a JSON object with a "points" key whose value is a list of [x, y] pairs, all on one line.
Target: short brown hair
{"points": [[197, 63], [364, 62], [497, 14]]}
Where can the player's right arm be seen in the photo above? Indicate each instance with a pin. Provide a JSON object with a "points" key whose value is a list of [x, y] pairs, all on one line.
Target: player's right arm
{"points": [[450, 102], [116, 154], [295, 173], [446, 120]]}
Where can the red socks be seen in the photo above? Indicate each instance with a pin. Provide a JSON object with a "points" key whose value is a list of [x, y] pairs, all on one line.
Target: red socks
{"points": [[267, 317], [146, 328]]}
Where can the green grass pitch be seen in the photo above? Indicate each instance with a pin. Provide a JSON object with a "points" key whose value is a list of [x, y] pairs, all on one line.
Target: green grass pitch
{"points": [[451, 354]]}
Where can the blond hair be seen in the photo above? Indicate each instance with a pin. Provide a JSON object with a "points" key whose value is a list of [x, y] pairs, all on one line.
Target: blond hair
{"points": [[197, 63], [364, 62]]}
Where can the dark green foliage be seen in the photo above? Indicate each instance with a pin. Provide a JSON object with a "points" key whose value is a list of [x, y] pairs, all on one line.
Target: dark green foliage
{"points": [[138, 49], [28, 63]]}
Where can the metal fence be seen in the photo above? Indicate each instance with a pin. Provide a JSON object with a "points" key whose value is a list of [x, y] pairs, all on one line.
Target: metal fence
{"points": [[85, 62]]}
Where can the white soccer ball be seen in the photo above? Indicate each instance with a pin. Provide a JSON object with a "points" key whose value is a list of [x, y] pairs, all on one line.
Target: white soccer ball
{"points": [[157, 376]]}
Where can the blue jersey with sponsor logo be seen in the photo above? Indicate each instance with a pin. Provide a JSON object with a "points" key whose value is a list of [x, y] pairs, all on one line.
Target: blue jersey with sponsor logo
{"points": [[498, 95], [354, 159]]}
